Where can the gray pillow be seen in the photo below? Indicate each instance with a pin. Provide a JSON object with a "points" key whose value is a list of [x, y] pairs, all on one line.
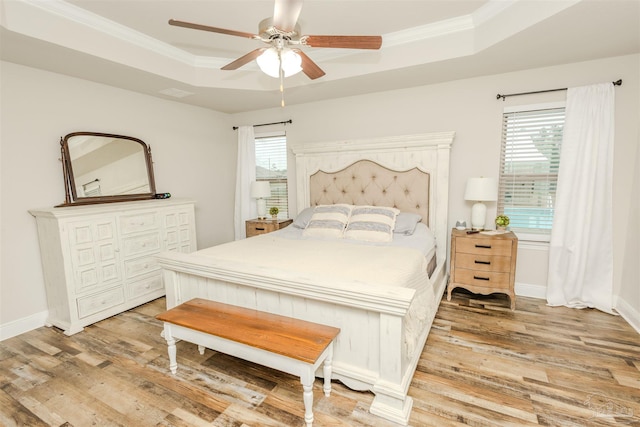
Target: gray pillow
{"points": [[406, 223], [302, 220]]}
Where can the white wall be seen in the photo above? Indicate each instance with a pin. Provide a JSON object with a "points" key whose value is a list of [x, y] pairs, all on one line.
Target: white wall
{"points": [[193, 150], [470, 108]]}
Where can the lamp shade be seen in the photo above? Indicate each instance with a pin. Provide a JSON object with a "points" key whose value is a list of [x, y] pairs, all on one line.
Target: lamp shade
{"points": [[260, 189], [269, 62], [481, 189]]}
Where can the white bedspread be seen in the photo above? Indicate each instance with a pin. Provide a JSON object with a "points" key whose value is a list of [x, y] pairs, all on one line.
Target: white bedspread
{"points": [[326, 260], [382, 271]]}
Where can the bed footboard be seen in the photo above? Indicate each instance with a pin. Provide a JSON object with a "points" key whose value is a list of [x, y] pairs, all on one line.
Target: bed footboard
{"points": [[370, 353]]}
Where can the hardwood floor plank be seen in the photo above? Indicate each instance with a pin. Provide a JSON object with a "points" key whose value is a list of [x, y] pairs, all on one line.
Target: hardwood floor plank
{"points": [[15, 413], [483, 365]]}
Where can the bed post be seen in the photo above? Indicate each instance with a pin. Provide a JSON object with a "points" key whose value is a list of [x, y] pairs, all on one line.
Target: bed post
{"points": [[391, 400], [442, 196]]}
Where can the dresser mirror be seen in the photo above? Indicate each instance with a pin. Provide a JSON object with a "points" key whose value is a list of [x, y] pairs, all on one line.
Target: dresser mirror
{"points": [[103, 168]]}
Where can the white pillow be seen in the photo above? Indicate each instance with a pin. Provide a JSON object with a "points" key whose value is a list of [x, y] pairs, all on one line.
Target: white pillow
{"points": [[328, 221], [371, 223]]}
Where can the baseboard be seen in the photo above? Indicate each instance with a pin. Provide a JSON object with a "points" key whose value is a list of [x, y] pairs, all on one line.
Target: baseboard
{"points": [[532, 291], [20, 326], [630, 314]]}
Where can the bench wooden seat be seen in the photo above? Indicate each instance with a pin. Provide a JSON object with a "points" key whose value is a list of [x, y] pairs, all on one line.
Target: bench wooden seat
{"points": [[289, 345]]}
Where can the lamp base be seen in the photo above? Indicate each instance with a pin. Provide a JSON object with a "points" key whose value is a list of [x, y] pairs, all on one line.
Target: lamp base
{"points": [[262, 208], [478, 216]]}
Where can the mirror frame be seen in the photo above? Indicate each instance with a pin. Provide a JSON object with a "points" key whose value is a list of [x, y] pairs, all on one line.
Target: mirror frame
{"points": [[71, 195]]}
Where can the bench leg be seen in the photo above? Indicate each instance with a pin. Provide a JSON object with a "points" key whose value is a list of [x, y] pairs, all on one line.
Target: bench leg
{"points": [[171, 348], [201, 349], [307, 397], [326, 370]]}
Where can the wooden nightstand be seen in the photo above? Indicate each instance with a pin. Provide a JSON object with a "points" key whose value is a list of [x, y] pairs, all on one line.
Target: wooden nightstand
{"points": [[263, 226], [483, 264]]}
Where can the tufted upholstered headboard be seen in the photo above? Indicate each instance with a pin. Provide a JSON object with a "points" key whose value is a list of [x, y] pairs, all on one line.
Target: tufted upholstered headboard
{"points": [[422, 158], [367, 183]]}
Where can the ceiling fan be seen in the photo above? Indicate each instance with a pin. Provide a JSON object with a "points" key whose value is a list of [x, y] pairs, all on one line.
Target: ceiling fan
{"points": [[280, 32]]}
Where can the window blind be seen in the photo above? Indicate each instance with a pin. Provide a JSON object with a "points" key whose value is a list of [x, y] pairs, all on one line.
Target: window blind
{"points": [[271, 165], [530, 159]]}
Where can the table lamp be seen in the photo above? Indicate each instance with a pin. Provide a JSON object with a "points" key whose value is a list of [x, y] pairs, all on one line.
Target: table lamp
{"points": [[480, 190], [261, 190]]}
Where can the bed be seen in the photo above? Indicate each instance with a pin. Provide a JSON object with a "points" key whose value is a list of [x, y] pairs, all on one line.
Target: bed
{"points": [[384, 307]]}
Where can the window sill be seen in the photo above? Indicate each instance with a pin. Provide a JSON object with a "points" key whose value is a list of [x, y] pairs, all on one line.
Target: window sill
{"points": [[533, 240]]}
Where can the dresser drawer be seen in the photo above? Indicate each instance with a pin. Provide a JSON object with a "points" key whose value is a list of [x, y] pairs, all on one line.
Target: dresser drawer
{"points": [[145, 286], [483, 279], [139, 222], [484, 246], [483, 262], [95, 303], [144, 244], [139, 266]]}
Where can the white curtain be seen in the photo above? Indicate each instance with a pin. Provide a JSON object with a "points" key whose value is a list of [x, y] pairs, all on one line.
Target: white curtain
{"points": [[245, 207], [581, 249]]}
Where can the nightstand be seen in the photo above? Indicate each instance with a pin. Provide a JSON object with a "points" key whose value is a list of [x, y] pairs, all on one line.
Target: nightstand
{"points": [[263, 226], [483, 263]]}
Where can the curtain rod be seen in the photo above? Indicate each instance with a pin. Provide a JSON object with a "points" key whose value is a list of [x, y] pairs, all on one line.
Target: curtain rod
{"points": [[616, 83], [268, 124]]}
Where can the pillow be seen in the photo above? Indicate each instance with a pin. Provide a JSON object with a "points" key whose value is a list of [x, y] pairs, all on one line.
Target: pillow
{"points": [[406, 223], [371, 223], [302, 220], [328, 221]]}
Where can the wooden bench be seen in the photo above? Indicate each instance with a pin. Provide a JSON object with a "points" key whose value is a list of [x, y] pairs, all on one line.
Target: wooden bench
{"points": [[289, 345]]}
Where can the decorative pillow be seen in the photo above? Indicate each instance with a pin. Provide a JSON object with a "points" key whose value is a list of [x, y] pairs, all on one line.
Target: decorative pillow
{"points": [[371, 223], [302, 220], [406, 223], [328, 221]]}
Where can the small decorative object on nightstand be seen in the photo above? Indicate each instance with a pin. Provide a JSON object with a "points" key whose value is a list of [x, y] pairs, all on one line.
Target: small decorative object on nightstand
{"points": [[273, 211], [483, 263], [502, 222], [263, 226]]}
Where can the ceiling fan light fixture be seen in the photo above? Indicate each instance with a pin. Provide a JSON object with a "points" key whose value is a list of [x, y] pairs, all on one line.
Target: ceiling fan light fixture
{"points": [[269, 62]]}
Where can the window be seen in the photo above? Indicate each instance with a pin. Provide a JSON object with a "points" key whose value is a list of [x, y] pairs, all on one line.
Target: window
{"points": [[271, 165], [530, 157]]}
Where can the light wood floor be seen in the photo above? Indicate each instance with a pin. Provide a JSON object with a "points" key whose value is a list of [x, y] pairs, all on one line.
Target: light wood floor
{"points": [[483, 365]]}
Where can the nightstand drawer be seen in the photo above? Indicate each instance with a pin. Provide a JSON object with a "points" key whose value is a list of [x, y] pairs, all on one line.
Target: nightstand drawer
{"points": [[484, 246], [487, 279], [254, 229], [483, 262]]}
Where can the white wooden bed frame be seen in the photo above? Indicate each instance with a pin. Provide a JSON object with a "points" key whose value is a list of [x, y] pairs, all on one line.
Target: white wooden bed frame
{"points": [[369, 352]]}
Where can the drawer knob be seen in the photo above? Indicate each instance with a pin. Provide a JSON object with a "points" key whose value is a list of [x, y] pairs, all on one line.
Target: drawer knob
{"points": [[483, 262], [481, 278], [483, 246], [260, 228]]}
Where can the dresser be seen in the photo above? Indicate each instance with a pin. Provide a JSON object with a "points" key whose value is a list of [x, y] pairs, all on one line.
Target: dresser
{"points": [[98, 260], [255, 227], [483, 263]]}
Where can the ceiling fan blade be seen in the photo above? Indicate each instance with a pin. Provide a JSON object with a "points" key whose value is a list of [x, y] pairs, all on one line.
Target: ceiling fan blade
{"points": [[309, 67], [212, 29], [244, 59], [346, 42], [286, 13]]}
